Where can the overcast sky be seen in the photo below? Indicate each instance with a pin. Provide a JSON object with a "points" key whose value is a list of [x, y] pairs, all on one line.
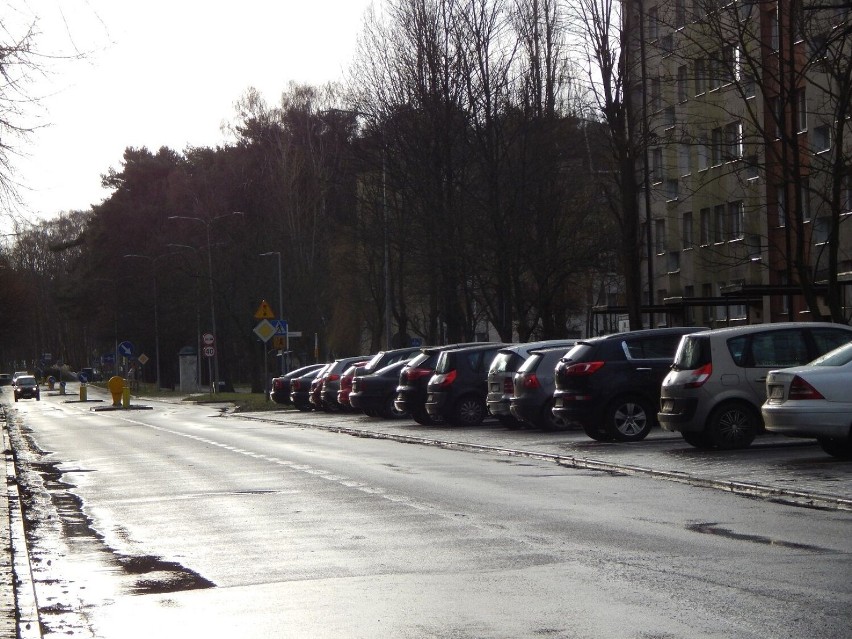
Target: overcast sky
{"points": [[164, 73]]}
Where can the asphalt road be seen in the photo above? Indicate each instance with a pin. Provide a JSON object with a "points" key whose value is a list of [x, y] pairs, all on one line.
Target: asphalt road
{"points": [[184, 521]]}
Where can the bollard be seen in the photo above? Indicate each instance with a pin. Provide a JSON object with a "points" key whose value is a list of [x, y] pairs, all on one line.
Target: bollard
{"points": [[125, 396], [61, 388], [115, 385], [83, 392]]}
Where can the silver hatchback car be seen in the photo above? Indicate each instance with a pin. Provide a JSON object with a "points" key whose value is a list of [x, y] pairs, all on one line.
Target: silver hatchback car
{"points": [[717, 384]]}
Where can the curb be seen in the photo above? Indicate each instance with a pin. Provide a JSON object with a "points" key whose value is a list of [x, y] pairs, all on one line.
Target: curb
{"points": [[780, 495], [29, 623]]}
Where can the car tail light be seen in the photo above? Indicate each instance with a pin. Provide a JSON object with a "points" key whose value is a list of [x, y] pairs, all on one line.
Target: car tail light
{"points": [[411, 374], [445, 379], [530, 382], [333, 377], [699, 376], [508, 385], [582, 368], [277, 384], [800, 389], [345, 383]]}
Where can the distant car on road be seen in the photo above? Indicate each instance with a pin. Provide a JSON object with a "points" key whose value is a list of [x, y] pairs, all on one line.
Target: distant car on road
{"points": [[814, 401], [280, 392], [26, 387]]}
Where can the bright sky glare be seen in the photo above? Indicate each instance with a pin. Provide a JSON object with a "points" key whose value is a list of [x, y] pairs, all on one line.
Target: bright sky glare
{"points": [[164, 73]]}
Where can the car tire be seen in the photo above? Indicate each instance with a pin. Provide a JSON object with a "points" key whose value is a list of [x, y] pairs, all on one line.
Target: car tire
{"points": [[628, 419], [732, 425], [548, 420], [468, 411], [597, 433], [697, 439], [390, 412], [842, 449]]}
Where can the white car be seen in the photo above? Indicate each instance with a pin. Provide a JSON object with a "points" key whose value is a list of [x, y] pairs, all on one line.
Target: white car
{"points": [[814, 401]]}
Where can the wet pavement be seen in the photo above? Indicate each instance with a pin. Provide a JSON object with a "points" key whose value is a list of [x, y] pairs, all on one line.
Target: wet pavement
{"points": [[775, 468]]}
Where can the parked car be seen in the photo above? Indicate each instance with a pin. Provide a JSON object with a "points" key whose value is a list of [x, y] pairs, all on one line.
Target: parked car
{"points": [[345, 386], [717, 384], [383, 358], [18, 374], [300, 389], [374, 393], [26, 387], [413, 379], [330, 381], [532, 400], [5, 379], [457, 391], [501, 385], [610, 385], [814, 401], [280, 391]]}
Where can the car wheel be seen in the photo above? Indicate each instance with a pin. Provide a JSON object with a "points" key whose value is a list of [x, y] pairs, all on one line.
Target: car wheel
{"points": [[732, 425], [699, 440], [842, 449], [468, 411], [628, 419], [597, 433], [390, 412], [548, 420]]}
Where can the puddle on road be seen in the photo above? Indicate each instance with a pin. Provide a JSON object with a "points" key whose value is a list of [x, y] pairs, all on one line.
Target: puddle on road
{"points": [[59, 532]]}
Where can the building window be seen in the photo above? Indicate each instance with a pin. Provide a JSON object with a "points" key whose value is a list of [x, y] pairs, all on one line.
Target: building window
{"points": [[672, 190], [801, 115], [729, 70], [715, 72], [656, 166], [672, 262], [667, 44], [749, 86], [660, 236], [680, 13], [686, 230], [819, 46], [706, 220], [821, 230], [722, 309], [716, 147], [683, 159], [751, 170], [738, 311], [653, 24], [805, 193], [719, 223], [700, 76], [669, 117], [781, 199], [682, 83], [846, 194], [707, 292], [703, 154], [821, 138], [734, 141], [736, 216]]}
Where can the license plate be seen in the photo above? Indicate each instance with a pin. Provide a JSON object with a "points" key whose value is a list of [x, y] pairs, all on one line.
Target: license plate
{"points": [[668, 405], [776, 392]]}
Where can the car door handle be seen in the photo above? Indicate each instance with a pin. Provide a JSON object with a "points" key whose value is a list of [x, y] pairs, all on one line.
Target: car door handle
{"points": [[643, 370], [761, 379]]}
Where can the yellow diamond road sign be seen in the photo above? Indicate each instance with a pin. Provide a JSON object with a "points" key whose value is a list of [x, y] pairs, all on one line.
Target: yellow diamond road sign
{"points": [[264, 311], [264, 330]]}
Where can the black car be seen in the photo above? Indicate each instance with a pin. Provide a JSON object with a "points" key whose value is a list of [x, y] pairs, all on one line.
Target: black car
{"points": [[280, 391], [384, 358], [374, 393], [26, 387], [457, 391], [300, 389], [533, 385], [611, 385], [5, 379], [413, 378]]}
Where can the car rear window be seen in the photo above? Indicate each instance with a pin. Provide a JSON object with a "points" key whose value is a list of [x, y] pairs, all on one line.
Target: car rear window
{"points": [[827, 339], [652, 347], [838, 357], [579, 353], [505, 361], [693, 352], [531, 362]]}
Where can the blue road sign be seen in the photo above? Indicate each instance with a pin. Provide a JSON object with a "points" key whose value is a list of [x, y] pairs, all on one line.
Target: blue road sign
{"points": [[416, 341], [280, 326], [125, 349]]}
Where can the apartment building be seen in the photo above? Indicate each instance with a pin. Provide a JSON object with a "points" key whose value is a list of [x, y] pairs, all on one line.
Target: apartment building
{"points": [[747, 112]]}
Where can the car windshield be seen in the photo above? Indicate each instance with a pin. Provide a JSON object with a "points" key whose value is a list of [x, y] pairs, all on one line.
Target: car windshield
{"points": [[838, 357], [531, 362], [505, 361], [26, 381]]}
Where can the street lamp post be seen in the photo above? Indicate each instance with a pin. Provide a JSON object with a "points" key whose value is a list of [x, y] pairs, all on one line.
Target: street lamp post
{"points": [[207, 223], [153, 261], [281, 311]]}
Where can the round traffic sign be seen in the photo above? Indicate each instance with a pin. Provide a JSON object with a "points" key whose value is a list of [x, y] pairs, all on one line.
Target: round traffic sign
{"points": [[209, 351], [208, 339]]}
